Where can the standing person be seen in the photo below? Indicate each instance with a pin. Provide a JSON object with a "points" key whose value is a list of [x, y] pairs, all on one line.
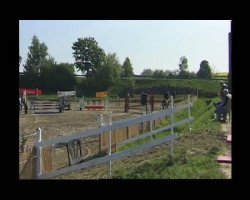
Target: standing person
{"points": [[223, 86], [20, 103], [25, 108], [223, 107]]}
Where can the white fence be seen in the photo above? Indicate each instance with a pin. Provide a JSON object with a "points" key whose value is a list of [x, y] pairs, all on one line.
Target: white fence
{"points": [[110, 127]]}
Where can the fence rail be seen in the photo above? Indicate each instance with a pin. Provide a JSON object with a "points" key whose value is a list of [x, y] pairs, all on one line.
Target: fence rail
{"points": [[111, 127], [153, 132], [114, 156], [115, 125]]}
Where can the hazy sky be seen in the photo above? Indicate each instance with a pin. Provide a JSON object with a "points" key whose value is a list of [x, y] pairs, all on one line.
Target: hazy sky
{"points": [[154, 44]]}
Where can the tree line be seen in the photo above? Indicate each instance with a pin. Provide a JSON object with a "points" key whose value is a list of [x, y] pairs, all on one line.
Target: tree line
{"points": [[102, 71]]}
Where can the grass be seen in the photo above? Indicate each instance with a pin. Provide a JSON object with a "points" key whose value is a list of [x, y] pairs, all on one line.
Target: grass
{"points": [[182, 84]]}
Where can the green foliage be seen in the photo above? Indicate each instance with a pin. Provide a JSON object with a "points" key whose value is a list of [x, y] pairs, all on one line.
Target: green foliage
{"points": [[207, 88], [109, 74], [205, 71], [124, 86], [59, 77], [158, 73], [147, 72], [183, 67], [203, 114], [127, 69], [89, 57], [36, 56]]}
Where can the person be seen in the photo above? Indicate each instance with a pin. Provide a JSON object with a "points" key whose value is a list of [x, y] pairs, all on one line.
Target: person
{"points": [[223, 86], [165, 104], [20, 103], [223, 107], [25, 108]]}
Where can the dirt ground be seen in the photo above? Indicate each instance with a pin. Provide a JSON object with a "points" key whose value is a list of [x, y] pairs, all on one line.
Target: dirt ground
{"points": [[227, 167], [71, 122]]}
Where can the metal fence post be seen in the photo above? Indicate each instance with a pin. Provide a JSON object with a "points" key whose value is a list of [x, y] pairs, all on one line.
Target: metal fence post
{"points": [[110, 144], [189, 115], [39, 164]]}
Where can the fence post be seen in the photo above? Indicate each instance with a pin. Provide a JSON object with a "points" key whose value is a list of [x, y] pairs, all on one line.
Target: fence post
{"points": [[39, 164], [83, 104], [106, 103], [100, 123], [172, 127], [100, 120], [189, 115], [110, 143]]}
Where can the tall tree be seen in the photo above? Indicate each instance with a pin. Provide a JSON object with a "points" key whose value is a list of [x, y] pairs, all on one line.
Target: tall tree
{"points": [[183, 66], [36, 56], [89, 57], [109, 74], [44, 76], [127, 69], [59, 77], [158, 73], [147, 72], [205, 70]]}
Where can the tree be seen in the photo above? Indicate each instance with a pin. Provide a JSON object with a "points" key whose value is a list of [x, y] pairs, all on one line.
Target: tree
{"points": [[36, 56], [204, 71], [147, 72], [158, 73], [109, 74], [183, 66], [89, 57], [44, 76], [127, 69], [59, 77]]}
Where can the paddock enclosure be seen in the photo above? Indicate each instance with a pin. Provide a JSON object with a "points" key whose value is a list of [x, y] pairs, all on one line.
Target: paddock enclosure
{"points": [[70, 122]]}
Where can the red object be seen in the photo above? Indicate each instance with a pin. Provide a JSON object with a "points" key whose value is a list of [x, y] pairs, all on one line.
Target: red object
{"points": [[30, 91], [94, 107], [224, 159]]}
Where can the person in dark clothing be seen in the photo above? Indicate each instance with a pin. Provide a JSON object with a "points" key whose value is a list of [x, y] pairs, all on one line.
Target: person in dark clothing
{"points": [[223, 107], [25, 108]]}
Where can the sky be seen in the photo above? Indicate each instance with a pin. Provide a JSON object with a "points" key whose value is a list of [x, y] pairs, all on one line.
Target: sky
{"points": [[154, 44]]}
